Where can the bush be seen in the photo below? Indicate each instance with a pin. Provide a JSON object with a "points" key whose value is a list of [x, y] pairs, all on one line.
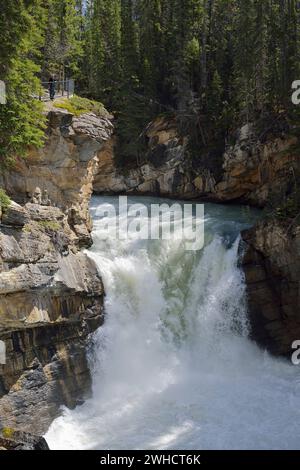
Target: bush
{"points": [[49, 225], [7, 433], [4, 200], [284, 200]]}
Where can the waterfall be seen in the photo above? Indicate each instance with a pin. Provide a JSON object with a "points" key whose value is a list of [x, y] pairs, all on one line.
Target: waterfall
{"points": [[173, 367]]}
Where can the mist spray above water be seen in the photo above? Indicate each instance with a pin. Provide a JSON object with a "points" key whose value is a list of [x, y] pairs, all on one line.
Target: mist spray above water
{"points": [[173, 367]]}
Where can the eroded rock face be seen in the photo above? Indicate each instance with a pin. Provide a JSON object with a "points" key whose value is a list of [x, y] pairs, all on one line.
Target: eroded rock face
{"points": [[255, 170], [64, 167], [248, 171], [51, 296], [272, 268], [161, 171], [51, 299]]}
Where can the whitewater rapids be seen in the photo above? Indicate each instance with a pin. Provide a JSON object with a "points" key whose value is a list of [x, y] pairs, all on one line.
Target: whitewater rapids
{"points": [[173, 367]]}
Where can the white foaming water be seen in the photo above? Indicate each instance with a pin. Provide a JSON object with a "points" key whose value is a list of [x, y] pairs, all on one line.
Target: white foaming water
{"points": [[172, 366]]}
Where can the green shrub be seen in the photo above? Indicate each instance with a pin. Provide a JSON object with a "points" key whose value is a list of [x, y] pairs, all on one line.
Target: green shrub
{"points": [[50, 225], [7, 433], [284, 201], [27, 228], [4, 200], [45, 225], [290, 207]]}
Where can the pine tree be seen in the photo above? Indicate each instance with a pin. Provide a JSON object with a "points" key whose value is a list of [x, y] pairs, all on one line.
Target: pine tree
{"points": [[21, 119], [133, 107], [63, 38], [151, 46], [245, 58], [102, 51]]}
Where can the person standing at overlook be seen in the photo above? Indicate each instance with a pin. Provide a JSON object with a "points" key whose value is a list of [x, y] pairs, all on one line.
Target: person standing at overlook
{"points": [[52, 88]]}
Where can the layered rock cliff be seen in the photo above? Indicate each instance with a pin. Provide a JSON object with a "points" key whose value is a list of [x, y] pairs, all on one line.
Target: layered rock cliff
{"points": [[64, 167], [272, 269], [51, 296], [248, 171]]}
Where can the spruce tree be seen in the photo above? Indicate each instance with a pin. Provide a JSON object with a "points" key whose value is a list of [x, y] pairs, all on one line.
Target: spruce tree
{"points": [[21, 118], [63, 39]]}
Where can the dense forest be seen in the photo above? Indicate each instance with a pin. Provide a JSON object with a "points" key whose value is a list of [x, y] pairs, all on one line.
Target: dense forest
{"points": [[213, 64]]}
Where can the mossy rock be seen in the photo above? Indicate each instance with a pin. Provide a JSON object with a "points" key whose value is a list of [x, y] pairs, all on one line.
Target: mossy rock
{"points": [[7, 433], [77, 105]]}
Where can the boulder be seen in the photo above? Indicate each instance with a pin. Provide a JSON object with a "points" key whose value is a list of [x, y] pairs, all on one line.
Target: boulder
{"points": [[11, 439], [15, 215]]}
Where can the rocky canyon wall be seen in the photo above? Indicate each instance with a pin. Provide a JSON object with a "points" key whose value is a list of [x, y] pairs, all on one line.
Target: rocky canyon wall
{"points": [[51, 296], [64, 167], [248, 171], [272, 269]]}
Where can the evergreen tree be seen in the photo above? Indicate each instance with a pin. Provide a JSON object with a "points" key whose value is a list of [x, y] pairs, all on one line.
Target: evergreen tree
{"points": [[151, 49], [133, 108], [21, 119], [215, 64], [102, 50], [63, 38]]}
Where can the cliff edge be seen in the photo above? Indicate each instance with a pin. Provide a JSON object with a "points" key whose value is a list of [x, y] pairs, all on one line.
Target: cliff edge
{"points": [[51, 295]]}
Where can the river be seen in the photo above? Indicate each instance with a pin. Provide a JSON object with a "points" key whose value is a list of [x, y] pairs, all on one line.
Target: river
{"points": [[173, 367]]}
